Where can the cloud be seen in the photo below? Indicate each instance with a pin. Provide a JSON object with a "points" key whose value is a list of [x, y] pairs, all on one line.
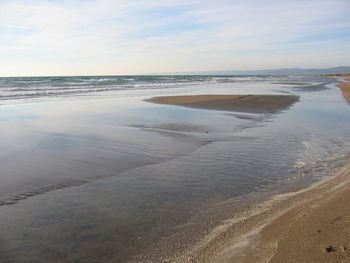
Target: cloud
{"points": [[117, 37]]}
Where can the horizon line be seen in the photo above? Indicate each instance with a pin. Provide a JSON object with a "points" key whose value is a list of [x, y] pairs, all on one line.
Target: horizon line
{"points": [[198, 72]]}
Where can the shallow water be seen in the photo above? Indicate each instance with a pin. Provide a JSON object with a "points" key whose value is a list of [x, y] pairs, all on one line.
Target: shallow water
{"points": [[100, 178]]}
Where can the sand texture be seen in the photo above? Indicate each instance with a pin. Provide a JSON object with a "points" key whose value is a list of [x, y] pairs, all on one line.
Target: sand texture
{"points": [[318, 231], [345, 86], [310, 225], [240, 103]]}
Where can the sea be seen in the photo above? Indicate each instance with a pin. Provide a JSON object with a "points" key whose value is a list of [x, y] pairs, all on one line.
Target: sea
{"points": [[91, 172]]}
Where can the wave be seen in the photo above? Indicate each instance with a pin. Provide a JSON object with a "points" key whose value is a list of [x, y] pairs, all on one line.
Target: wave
{"points": [[24, 87]]}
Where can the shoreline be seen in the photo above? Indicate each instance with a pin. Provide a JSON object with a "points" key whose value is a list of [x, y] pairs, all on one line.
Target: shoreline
{"points": [[302, 226], [309, 225], [296, 226], [140, 206], [344, 86]]}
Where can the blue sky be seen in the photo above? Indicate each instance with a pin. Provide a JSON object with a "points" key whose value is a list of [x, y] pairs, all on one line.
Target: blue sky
{"points": [[94, 37]]}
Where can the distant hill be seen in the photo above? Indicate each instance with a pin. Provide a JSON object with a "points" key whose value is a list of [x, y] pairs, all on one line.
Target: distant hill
{"points": [[282, 71]]}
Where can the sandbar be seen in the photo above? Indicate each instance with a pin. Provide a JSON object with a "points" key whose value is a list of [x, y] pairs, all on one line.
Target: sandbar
{"points": [[239, 103], [290, 83]]}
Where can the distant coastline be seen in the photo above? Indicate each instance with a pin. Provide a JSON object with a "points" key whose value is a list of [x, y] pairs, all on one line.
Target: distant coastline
{"points": [[280, 71]]}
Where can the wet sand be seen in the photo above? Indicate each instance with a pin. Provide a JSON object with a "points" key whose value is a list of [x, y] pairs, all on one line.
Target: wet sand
{"points": [[290, 83], [153, 193], [309, 225], [241, 103], [317, 231]]}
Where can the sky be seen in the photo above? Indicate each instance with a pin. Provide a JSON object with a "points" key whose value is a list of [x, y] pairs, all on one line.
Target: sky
{"points": [[112, 37]]}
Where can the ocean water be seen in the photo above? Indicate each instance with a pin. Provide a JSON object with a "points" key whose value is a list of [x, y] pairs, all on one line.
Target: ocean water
{"points": [[37, 87], [92, 173]]}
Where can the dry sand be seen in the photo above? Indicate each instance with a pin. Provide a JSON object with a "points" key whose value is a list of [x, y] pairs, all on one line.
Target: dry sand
{"points": [[317, 230], [345, 86], [241, 103]]}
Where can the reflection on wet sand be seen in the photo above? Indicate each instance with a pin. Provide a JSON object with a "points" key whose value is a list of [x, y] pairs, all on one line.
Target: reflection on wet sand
{"points": [[117, 180]]}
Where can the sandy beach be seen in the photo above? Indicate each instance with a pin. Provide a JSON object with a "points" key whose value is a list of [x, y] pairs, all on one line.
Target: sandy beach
{"points": [[309, 225], [242, 103], [345, 88], [318, 230]]}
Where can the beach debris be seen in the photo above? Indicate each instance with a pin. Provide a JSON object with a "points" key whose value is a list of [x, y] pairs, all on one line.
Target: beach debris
{"points": [[299, 165], [330, 249], [335, 220], [342, 248]]}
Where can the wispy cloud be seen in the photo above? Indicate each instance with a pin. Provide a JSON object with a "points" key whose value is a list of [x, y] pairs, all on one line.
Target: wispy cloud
{"points": [[120, 37]]}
